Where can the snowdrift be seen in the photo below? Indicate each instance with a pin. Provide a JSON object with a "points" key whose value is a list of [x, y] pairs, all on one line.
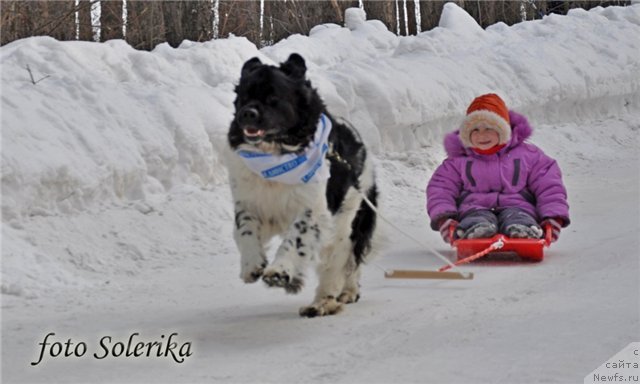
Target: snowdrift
{"points": [[114, 124]]}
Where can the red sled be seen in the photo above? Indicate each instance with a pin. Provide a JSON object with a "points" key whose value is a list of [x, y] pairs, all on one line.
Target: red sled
{"points": [[469, 250]]}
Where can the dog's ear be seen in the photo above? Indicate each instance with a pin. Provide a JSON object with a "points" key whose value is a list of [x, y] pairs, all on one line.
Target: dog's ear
{"points": [[250, 65], [294, 66]]}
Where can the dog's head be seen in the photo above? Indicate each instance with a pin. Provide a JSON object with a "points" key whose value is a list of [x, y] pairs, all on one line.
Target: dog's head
{"points": [[276, 109]]}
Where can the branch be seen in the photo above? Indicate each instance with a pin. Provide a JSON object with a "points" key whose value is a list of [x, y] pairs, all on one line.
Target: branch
{"points": [[33, 81], [59, 20]]}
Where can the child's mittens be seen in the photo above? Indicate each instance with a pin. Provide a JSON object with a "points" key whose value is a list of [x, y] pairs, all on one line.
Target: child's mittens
{"points": [[446, 230], [556, 227]]}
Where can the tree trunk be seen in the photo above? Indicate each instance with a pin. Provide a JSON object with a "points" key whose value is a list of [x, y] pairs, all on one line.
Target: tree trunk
{"points": [[198, 20], [411, 17], [85, 26], [145, 24], [430, 12], [322, 12], [277, 21], [241, 18], [110, 20], [383, 10], [339, 7], [172, 14], [17, 20], [58, 19], [22, 19]]}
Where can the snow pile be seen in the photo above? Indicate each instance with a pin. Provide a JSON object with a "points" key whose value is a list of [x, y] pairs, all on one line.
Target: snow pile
{"points": [[112, 123], [457, 20]]}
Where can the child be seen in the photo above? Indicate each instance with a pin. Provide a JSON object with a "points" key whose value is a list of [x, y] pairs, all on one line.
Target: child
{"points": [[492, 181]]}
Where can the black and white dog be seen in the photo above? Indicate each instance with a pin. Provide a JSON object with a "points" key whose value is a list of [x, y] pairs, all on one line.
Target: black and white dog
{"points": [[297, 173]]}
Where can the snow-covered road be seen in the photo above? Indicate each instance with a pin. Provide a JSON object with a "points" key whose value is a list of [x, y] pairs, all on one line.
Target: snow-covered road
{"points": [[550, 322]]}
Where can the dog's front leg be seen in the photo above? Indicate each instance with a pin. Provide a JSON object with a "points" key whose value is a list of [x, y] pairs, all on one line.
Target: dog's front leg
{"points": [[300, 244], [247, 236]]}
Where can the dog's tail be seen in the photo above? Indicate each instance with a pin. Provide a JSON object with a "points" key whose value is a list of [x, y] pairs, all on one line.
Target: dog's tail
{"points": [[364, 225]]}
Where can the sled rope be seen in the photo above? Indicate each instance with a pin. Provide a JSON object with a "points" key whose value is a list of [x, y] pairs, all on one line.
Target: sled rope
{"points": [[493, 247], [420, 243]]}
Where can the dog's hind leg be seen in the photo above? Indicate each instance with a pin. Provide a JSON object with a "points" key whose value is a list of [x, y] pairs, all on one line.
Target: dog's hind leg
{"points": [[363, 228], [300, 244], [338, 272], [337, 275], [351, 290], [332, 279]]}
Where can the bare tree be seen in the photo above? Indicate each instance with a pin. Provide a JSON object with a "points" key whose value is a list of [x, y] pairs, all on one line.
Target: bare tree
{"points": [[85, 25], [340, 6], [430, 12], [33, 18], [111, 20], [412, 27], [317, 12], [277, 21], [17, 20], [172, 14], [241, 18], [152, 22], [59, 19], [383, 10], [198, 20], [145, 24], [537, 9]]}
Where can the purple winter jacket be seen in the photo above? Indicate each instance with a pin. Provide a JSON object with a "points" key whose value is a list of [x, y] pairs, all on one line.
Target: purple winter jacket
{"points": [[519, 175]]}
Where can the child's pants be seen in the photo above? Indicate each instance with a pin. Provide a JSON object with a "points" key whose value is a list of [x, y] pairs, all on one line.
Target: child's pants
{"points": [[488, 222]]}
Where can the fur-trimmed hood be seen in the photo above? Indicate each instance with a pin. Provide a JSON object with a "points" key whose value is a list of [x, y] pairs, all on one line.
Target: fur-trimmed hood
{"points": [[520, 131]]}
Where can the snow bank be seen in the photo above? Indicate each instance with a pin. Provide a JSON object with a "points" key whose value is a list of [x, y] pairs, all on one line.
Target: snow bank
{"points": [[112, 123]]}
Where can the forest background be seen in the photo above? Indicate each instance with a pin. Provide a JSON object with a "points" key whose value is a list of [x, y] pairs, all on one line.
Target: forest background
{"points": [[145, 24]]}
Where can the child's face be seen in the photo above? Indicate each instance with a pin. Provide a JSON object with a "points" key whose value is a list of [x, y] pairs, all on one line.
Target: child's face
{"points": [[483, 137]]}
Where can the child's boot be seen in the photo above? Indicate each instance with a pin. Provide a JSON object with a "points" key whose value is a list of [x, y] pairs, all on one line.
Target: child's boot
{"points": [[520, 231], [478, 231]]}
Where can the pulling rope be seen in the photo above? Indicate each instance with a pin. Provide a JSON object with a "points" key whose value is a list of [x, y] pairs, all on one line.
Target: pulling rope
{"points": [[420, 243], [493, 247]]}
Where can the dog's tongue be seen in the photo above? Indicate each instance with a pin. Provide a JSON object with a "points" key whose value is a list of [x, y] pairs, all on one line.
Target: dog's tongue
{"points": [[253, 132]]}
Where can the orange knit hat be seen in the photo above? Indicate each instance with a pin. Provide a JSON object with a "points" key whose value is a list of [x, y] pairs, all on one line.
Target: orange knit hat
{"points": [[490, 110]]}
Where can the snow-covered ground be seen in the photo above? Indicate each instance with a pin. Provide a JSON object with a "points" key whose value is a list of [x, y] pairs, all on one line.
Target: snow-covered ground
{"points": [[117, 216]]}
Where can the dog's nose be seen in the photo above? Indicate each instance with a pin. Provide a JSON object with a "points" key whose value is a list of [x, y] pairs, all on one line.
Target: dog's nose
{"points": [[249, 115]]}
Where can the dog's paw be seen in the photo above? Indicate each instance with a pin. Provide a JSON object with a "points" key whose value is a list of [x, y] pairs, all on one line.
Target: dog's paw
{"points": [[327, 306], [348, 297], [275, 278], [251, 275]]}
